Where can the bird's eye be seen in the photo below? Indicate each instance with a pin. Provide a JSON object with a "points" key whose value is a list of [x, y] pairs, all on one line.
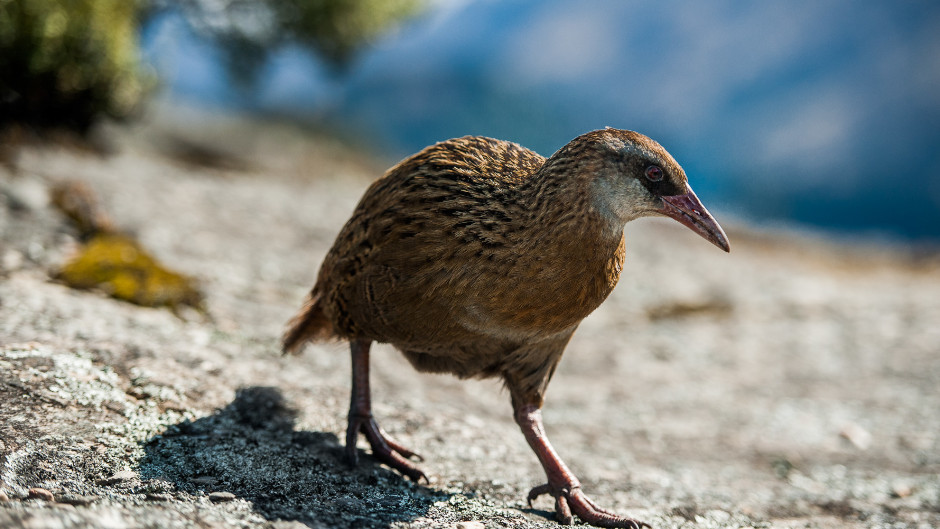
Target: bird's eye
{"points": [[654, 173]]}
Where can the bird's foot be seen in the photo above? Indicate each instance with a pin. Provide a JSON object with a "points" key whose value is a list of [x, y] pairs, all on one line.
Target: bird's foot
{"points": [[383, 448], [569, 500]]}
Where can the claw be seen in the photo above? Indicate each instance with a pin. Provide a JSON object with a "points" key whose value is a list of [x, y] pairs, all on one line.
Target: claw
{"points": [[538, 491], [563, 512], [571, 501], [384, 449], [562, 485], [406, 452], [361, 421]]}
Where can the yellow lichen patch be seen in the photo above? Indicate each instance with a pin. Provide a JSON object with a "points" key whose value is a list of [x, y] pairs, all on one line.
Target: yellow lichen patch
{"points": [[119, 266]]}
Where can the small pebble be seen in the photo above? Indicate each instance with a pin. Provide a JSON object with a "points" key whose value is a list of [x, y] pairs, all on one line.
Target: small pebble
{"points": [[288, 524], [26, 194], [348, 503], [204, 481], [858, 436], [219, 497], [11, 260], [118, 477], [77, 499], [37, 493], [3, 496], [470, 525], [172, 405], [901, 490], [390, 502], [158, 497], [114, 406]]}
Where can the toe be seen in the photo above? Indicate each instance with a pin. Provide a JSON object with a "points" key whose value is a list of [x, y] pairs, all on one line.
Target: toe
{"points": [[399, 463], [588, 512], [404, 451], [562, 511], [390, 452], [537, 491]]}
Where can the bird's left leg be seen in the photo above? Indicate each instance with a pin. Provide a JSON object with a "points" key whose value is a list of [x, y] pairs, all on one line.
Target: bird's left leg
{"points": [[361, 420], [562, 484]]}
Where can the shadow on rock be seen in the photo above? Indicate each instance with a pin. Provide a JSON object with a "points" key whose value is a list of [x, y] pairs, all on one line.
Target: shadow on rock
{"points": [[251, 450]]}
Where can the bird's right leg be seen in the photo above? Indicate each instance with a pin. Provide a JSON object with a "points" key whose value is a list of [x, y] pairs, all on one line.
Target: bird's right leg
{"points": [[562, 484], [361, 420]]}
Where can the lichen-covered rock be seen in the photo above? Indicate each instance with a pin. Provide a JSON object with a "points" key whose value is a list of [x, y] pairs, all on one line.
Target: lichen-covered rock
{"points": [[714, 400]]}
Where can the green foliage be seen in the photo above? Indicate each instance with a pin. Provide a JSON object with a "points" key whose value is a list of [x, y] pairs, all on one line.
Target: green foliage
{"points": [[65, 63], [338, 28], [249, 29]]}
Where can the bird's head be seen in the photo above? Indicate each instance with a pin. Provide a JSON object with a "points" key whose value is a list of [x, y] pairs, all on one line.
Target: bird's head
{"points": [[629, 176]]}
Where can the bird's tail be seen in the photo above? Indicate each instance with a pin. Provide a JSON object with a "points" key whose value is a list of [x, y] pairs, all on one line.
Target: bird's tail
{"points": [[309, 324]]}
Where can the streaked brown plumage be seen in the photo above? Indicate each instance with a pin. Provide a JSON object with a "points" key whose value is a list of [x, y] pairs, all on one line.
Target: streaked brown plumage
{"points": [[479, 257]]}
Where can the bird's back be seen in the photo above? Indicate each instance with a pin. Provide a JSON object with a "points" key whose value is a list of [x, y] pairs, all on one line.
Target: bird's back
{"points": [[441, 256]]}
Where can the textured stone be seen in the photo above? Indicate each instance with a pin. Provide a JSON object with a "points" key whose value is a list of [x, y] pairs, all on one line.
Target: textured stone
{"points": [[220, 497], [118, 477]]}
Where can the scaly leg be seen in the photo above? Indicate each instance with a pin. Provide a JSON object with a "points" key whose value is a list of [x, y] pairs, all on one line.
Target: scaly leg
{"points": [[562, 484], [361, 420]]}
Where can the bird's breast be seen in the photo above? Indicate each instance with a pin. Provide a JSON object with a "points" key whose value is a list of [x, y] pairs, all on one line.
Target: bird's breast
{"points": [[544, 294]]}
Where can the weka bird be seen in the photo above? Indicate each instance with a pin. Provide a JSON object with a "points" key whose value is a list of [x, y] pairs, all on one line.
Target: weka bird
{"points": [[479, 257]]}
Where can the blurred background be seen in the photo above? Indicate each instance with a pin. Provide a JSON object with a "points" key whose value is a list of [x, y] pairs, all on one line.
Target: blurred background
{"points": [[201, 155], [822, 114]]}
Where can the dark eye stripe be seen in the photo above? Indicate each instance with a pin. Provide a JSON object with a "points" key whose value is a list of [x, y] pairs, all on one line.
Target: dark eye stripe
{"points": [[661, 183]]}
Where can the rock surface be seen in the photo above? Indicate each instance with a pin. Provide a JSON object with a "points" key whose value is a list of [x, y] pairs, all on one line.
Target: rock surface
{"points": [[792, 383]]}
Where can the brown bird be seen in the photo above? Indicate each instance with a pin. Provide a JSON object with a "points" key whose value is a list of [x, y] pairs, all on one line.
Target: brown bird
{"points": [[479, 257]]}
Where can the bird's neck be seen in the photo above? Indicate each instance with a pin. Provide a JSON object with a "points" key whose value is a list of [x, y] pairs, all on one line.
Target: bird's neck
{"points": [[567, 205], [584, 240]]}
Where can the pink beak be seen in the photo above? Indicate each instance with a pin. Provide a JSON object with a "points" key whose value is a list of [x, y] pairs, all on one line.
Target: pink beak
{"points": [[688, 210]]}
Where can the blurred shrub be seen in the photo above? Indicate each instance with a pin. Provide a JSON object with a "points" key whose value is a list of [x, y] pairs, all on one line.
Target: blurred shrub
{"points": [[65, 63], [338, 28], [249, 29]]}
